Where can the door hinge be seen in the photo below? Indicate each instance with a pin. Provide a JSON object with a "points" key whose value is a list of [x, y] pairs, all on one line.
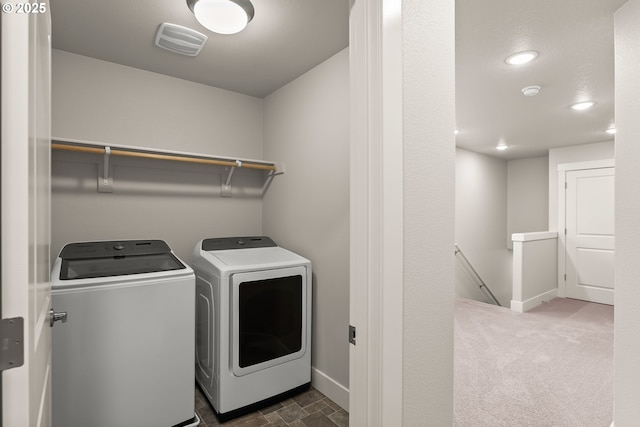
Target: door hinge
{"points": [[11, 343], [565, 277], [352, 334]]}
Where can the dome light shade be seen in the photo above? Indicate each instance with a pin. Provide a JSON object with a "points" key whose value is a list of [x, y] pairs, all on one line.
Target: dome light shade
{"points": [[222, 16]]}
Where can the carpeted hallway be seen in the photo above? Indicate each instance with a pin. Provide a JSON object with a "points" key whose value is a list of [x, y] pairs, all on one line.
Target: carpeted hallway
{"points": [[552, 366]]}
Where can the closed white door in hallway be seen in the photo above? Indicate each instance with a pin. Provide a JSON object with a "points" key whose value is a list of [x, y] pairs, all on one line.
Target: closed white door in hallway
{"points": [[590, 234]]}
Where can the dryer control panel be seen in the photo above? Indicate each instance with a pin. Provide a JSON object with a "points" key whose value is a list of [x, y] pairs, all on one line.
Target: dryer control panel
{"points": [[224, 243]]}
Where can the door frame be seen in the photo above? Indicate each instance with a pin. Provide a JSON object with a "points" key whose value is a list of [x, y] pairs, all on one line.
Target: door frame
{"points": [[563, 168], [402, 162], [376, 211]]}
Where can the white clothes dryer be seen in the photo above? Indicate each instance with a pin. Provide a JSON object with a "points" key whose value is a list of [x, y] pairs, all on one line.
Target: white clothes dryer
{"points": [[124, 356], [253, 327]]}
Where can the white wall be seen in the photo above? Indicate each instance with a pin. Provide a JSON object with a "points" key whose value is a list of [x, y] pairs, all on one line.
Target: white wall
{"points": [[627, 296], [535, 269], [306, 126], [109, 103], [527, 196], [481, 225], [106, 102], [428, 118], [577, 153]]}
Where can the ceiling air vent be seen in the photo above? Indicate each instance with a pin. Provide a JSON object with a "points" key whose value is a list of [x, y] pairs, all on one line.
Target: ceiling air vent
{"points": [[182, 40]]}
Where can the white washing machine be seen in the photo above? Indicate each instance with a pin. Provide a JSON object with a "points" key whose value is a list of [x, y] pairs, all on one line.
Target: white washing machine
{"points": [[253, 327], [124, 355]]}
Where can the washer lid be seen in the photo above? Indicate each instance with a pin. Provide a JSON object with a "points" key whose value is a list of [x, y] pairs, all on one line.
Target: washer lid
{"points": [[111, 248], [257, 257], [116, 258]]}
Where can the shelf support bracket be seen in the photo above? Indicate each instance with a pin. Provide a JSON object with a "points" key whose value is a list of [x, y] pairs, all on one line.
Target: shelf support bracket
{"points": [[267, 182], [225, 190], [105, 179]]}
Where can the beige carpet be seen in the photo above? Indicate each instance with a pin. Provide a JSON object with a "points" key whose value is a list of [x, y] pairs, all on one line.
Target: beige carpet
{"points": [[552, 366]]}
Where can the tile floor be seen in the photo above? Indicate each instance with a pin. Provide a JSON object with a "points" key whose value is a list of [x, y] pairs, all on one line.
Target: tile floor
{"points": [[308, 409]]}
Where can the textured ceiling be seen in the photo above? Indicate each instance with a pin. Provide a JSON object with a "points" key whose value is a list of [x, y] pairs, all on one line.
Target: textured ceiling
{"points": [[288, 37], [576, 62], [285, 39]]}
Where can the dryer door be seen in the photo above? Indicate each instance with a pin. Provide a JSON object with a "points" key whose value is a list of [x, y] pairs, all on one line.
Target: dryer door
{"points": [[269, 318]]}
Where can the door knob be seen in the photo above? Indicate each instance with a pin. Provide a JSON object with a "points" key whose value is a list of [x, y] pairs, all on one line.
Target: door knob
{"points": [[55, 316]]}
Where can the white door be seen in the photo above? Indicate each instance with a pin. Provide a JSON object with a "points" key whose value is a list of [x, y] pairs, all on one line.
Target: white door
{"points": [[25, 188], [590, 235]]}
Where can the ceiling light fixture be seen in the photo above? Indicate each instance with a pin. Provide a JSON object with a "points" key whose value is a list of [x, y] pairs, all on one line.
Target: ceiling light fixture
{"points": [[580, 106], [611, 131], [531, 90], [521, 57], [502, 146], [222, 16]]}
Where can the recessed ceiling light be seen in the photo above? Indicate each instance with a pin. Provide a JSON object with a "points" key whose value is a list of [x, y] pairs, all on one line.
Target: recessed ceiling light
{"points": [[579, 106], [611, 131], [521, 57], [531, 90]]}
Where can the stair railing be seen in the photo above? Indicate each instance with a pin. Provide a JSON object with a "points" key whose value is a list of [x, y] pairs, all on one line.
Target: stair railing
{"points": [[475, 273]]}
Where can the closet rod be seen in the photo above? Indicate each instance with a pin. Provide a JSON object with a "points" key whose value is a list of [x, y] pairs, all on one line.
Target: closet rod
{"points": [[177, 158]]}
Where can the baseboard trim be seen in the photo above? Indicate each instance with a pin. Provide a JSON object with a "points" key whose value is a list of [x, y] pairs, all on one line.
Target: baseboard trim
{"points": [[330, 388], [523, 306]]}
